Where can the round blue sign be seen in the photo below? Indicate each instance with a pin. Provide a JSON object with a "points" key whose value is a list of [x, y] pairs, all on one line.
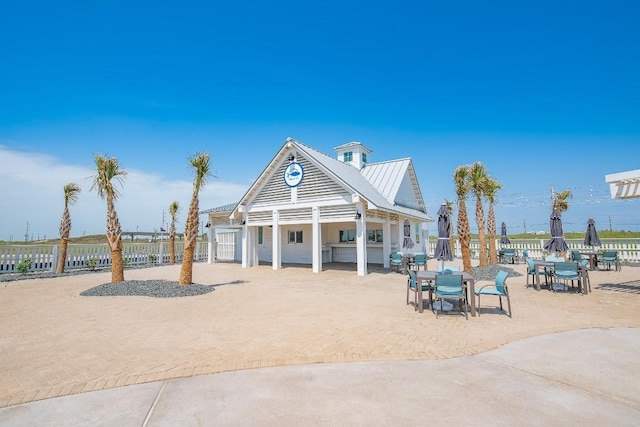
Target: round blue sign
{"points": [[293, 174]]}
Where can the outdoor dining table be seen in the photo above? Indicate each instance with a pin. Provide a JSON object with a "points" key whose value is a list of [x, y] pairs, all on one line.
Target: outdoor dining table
{"points": [[541, 265], [593, 258], [430, 276]]}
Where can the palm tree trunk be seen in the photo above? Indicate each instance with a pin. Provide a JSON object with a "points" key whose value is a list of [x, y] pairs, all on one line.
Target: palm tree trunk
{"points": [[114, 238], [62, 256], [172, 249], [464, 236], [186, 270], [117, 266]]}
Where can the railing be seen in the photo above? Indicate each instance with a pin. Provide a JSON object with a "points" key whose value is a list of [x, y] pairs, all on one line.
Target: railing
{"points": [[96, 256], [628, 249]]}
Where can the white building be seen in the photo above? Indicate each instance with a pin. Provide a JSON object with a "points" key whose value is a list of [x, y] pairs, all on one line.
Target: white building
{"points": [[624, 185], [310, 208]]}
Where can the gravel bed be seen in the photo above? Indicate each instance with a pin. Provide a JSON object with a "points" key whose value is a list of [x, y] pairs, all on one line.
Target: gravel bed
{"points": [[490, 272], [148, 288]]}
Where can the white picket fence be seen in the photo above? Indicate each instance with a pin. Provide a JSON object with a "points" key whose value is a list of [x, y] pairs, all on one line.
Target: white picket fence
{"points": [[45, 257], [628, 249], [80, 256]]}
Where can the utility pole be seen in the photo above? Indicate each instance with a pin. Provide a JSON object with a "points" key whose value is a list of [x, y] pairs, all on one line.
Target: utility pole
{"points": [[610, 227], [26, 234], [524, 224]]}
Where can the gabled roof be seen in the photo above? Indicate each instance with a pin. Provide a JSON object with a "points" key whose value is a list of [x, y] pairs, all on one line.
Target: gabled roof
{"points": [[224, 208], [387, 177], [352, 179]]}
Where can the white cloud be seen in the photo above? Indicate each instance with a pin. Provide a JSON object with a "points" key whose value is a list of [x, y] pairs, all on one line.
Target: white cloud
{"points": [[31, 191]]}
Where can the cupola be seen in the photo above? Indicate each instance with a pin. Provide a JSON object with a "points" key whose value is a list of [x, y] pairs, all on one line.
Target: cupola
{"points": [[353, 153]]}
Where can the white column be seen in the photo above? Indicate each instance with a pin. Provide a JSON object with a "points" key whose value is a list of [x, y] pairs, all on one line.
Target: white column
{"points": [[246, 248], [317, 241], [277, 255], [361, 241], [211, 235], [386, 242]]}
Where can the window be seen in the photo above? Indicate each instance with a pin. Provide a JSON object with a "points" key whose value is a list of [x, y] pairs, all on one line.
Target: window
{"points": [[364, 157], [295, 237], [348, 156], [347, 236], [259, 235], [374, 236]]}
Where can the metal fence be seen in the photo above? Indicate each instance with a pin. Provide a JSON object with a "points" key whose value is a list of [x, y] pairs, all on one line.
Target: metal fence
{"points": [[95, 256]]}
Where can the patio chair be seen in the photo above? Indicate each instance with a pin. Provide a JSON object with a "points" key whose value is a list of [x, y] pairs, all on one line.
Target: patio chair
{"points": [[499, 288], [610, 257], [566, 271], [449, 285], [420, 259], [576, 256], [531, 272], [508, 254], [412, 286], [396, 261]]}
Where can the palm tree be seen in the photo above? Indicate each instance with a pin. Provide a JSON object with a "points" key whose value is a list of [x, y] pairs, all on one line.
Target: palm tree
{"points": [[71, 192], [477, 182], [491, 190], [560, 202], [200, 163], [174, 207], [107, 170], [460, 178]]}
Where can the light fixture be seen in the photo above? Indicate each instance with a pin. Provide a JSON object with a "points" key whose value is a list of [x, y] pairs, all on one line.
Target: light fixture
{"points": [[358, 215], [243, 222], [208, 225], [291, 158]]}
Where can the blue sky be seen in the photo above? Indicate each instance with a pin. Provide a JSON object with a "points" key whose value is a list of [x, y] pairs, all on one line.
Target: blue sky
{"points": [[545, 94]]}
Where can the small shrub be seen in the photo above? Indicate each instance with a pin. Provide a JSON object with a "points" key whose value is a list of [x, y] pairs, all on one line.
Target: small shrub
{"points": [[24, 265], [152, 258], [125, 261], [92, 263]]}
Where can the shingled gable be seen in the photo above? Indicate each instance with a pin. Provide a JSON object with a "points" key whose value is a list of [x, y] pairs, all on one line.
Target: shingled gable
{"points": [[378, 184]]}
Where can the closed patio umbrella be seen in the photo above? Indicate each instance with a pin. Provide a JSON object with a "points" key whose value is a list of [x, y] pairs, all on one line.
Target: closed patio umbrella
{"points": [[556, 243], [443, 247], [591, 236], [407, 243], [503, 235]]}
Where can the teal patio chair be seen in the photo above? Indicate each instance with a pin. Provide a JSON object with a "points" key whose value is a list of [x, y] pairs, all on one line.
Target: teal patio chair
{"points": [[499, 288], [396, 261], [419, 260], [508, 254], [531, 272], [412, 286], [566, 271], [610, 257], [449, 285]]}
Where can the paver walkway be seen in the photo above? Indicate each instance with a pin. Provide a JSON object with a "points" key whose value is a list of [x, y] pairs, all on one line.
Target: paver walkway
{"points": [[54, 342]]}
